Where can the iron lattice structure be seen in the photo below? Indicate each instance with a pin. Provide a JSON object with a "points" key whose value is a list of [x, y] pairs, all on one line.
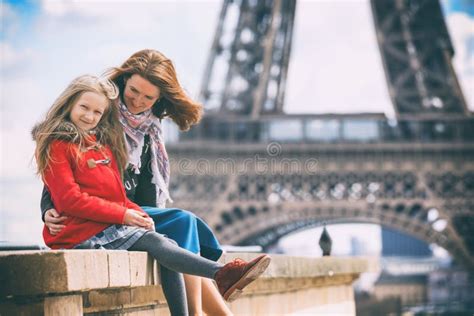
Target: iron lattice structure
{"points": [[416, 51], [247, 68], [245, 167]]}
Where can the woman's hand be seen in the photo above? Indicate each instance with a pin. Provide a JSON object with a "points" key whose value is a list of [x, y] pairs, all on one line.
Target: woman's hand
{"points": [[138, 219], [54, 221]]}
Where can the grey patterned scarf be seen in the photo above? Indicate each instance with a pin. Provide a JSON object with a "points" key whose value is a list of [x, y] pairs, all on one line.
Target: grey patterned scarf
{"points": [[136, 126]]}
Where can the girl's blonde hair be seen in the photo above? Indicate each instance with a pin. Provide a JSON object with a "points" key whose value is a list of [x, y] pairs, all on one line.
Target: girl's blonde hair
{"points": [[159, 70], [109, 130]]}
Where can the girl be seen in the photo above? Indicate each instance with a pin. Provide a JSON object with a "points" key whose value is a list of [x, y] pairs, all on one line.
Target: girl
{"points": [[81, 155]]}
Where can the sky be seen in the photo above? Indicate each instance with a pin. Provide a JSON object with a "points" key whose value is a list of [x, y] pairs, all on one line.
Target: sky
{"points": [[46, 43]]}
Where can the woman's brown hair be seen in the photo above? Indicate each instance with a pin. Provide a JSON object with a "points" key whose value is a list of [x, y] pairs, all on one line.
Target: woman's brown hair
{"points": [[159, 70]]}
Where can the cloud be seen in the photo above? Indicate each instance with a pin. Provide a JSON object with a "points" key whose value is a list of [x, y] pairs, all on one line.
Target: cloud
{"points": [[335, 64], [58, 8], [12, 59], [103, 35], [70, 38], [23, 104], [9, 19], [461, 29]]}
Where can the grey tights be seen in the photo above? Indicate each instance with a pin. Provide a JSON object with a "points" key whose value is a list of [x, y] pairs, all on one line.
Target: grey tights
{"points": [[173, 259]]}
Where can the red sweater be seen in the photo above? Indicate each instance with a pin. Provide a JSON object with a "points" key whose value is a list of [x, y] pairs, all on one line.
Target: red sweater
{"points": [[92, 198]]}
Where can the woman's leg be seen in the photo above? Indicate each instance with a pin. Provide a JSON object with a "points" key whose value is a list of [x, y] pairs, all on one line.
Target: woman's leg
{"points": [[194, 294], [202, 295], [212, 301], [189, 232]]}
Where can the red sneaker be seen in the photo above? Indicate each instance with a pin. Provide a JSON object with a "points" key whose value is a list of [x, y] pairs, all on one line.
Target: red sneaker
{"points": [[237, 274]]}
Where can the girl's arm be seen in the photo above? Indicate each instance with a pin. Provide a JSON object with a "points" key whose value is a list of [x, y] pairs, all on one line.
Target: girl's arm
{"points": [[66, 193]]}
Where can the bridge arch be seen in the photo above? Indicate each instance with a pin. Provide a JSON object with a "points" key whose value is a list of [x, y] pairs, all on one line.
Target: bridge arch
{"points": [[265, 225]]}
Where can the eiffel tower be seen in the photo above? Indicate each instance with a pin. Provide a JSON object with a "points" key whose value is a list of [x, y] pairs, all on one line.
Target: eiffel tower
{"points": [[257, 174]]}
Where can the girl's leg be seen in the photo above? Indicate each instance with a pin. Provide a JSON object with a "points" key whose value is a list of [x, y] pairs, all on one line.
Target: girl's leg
{"points": [[190, 233], [170, 255], [188, 230], [173, 287], [212, 301], [231, 278], [194, 294]]}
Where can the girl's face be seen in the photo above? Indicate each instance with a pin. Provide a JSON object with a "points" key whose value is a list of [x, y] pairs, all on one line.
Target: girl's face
{"points": [[140, 94], [88, 110]]}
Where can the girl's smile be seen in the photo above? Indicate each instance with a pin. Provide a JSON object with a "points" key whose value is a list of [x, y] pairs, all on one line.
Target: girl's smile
{"points": [[88, 110]]}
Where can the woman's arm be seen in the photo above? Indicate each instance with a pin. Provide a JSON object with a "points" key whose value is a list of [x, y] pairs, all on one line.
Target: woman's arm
{"points": [[51, 218], [66, 193], [46, 202]]}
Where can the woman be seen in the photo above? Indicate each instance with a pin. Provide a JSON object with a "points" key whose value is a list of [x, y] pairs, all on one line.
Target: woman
{"points": [[149, 92]]}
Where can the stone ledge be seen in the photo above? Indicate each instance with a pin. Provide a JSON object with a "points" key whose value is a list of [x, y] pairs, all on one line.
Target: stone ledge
{"points": [[283, 266], [61, 271], [116, 299], [98, 281]]}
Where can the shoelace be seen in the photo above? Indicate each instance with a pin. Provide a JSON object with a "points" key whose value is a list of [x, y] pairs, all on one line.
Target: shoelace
{"points": [[237, 262]]}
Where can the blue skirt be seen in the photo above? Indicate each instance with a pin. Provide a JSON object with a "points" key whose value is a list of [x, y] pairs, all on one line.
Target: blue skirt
{"points": [[188, 230]]}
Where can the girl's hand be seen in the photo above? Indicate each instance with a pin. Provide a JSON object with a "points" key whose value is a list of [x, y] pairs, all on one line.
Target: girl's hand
{"points": [[138, 219], [151, 225], [54, 221]]}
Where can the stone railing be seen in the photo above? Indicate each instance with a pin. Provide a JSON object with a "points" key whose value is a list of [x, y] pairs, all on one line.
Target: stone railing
{"points": [[95, 282]]}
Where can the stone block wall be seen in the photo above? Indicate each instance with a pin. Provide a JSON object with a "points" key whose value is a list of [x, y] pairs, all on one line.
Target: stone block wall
{"points": [[96, 282]]}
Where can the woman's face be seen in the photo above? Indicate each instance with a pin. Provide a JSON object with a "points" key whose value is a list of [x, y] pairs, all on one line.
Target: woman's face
{"points": [[140, 94]]}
